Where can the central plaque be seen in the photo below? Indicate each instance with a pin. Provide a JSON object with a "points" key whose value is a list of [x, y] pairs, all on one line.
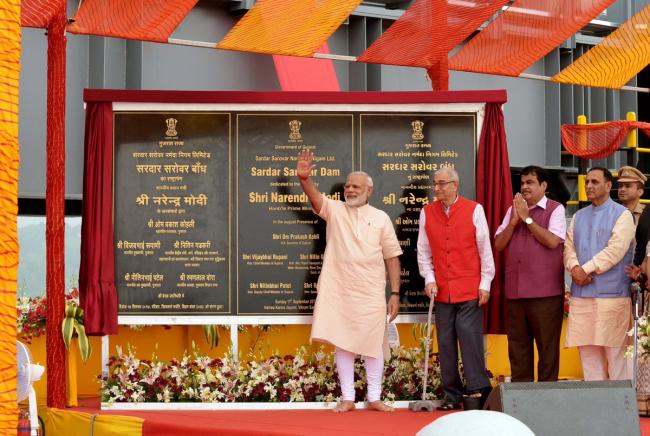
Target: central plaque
{"points": [[280, 241], [402, 151]]}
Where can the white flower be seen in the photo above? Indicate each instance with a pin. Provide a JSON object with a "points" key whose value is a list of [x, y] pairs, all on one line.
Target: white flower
{"points": [[271, 390]]}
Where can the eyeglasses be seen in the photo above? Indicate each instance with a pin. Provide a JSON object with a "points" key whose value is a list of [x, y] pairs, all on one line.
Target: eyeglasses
{"points": [[442, 184]]}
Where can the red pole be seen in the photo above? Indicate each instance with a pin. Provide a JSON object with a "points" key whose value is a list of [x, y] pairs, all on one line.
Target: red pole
{"points": [[55, 207]]}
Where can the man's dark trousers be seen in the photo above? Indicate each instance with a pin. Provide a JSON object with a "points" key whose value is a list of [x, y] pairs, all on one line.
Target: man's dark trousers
{"points": [[461, 324], [538, 319]]}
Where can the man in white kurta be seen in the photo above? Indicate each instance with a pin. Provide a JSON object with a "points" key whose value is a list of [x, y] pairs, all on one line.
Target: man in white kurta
{"points": [[350, 309]]}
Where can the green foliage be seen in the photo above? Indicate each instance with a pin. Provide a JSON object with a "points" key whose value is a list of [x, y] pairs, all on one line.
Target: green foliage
{"points": [[73, 323]]}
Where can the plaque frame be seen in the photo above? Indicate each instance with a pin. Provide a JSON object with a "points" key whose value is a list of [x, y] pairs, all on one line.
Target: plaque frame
{"points": [[227, 101], [475, 109]]}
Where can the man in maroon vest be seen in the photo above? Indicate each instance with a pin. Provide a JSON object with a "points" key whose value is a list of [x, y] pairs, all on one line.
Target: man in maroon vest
{"points": [[455, 260], [532, 235]]}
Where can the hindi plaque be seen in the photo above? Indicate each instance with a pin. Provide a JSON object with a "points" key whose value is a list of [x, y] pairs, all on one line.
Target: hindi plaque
{"points": [[172, 210]]}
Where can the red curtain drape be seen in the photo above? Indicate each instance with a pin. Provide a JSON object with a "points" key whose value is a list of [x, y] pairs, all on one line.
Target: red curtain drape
{"points": [[97, 293], [494, 192]]}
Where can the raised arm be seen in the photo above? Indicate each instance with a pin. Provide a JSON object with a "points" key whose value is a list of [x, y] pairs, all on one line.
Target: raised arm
{"points": [[304, 168]]}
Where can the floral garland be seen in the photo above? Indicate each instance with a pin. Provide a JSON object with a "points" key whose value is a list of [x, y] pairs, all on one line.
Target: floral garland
{"points": [[300, 378]]}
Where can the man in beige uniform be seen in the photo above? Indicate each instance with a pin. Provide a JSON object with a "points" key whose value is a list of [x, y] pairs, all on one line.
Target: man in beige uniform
{"points": [[350, 309], [630, 190], [631, 183]]}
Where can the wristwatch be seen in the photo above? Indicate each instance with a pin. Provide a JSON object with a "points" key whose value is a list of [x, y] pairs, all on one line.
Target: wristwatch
{"points": [[528, 220]]}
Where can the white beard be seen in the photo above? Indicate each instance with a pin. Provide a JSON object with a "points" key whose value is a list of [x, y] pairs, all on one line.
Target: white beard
{"points": [[359, 201]]}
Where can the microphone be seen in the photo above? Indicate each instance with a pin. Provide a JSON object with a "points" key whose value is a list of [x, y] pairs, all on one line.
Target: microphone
{"points": [[635, 289]]}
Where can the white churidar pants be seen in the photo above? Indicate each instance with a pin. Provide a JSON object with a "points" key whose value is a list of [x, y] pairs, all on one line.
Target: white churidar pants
{"points": [[345, 369]]}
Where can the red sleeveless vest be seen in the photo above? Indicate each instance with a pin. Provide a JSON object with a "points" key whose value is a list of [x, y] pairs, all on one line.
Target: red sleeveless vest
{"points": [[456, 262]]}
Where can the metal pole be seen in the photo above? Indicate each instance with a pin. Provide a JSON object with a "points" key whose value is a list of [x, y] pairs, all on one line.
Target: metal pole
{"points": [[345, 58]]}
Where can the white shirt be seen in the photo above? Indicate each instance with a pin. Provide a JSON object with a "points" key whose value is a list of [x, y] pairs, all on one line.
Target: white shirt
{"points": [[425, 263], [556, 224]]}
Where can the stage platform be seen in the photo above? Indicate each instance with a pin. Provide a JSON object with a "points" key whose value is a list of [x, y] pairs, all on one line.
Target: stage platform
{"points": [[277, 422]]}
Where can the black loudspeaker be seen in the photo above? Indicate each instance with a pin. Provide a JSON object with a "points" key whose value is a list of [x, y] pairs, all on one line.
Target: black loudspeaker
{"points": [[571, 408]]}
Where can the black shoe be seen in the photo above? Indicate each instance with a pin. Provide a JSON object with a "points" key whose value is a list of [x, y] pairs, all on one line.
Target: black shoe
{"points": [[485, 393], [475, 400], [448, 405]]}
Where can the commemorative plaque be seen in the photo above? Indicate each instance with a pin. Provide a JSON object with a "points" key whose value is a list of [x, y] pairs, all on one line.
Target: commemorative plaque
{"points": [[172, 213], [401, 152], [280, 241], [210, 218]]}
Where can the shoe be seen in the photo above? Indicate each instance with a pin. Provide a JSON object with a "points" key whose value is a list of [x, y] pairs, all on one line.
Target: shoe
{"points": [[475, 400], [448, 405]]}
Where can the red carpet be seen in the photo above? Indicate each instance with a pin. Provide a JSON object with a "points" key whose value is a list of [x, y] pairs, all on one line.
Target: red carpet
{"points": [[361, 422]]}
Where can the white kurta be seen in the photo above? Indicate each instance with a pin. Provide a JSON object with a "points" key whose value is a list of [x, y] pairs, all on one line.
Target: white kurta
{"points": [[350, 308]]}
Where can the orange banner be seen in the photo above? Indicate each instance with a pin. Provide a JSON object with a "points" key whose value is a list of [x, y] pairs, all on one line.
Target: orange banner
{"points": [[617, 59], [144, 20], [37, 13], [523, 34], [428, 31], [288, 27]]}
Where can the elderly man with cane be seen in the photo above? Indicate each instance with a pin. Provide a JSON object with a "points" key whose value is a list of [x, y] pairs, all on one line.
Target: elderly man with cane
{"points": [[455, 260]]}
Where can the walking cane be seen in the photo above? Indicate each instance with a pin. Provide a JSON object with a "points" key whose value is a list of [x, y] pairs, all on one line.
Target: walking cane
{"points": [[423, 404]]}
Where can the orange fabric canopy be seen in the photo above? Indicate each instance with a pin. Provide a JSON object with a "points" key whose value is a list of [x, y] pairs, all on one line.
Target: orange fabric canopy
{"points": [[144, 20], [425, 33], [523, 34], [288, 27], [38, 13], [617, 59]]}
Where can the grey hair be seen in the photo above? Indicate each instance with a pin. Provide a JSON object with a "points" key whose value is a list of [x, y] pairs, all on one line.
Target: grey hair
{"points": [[361, 173], [453, 175]]}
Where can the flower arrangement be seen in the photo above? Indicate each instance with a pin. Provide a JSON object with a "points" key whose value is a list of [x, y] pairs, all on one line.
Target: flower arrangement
{"points": [[643, 343], [30, 322], [301, 378], [31, 312]]}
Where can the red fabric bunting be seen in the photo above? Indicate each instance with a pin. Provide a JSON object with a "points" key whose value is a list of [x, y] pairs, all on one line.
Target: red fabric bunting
{"points": [[143, 20], [428, 31], [598, 141], [523, 34], [38, 13]]}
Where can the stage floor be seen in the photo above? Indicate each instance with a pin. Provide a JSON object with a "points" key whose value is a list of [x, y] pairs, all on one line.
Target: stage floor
{"points": [[283, 422]]}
